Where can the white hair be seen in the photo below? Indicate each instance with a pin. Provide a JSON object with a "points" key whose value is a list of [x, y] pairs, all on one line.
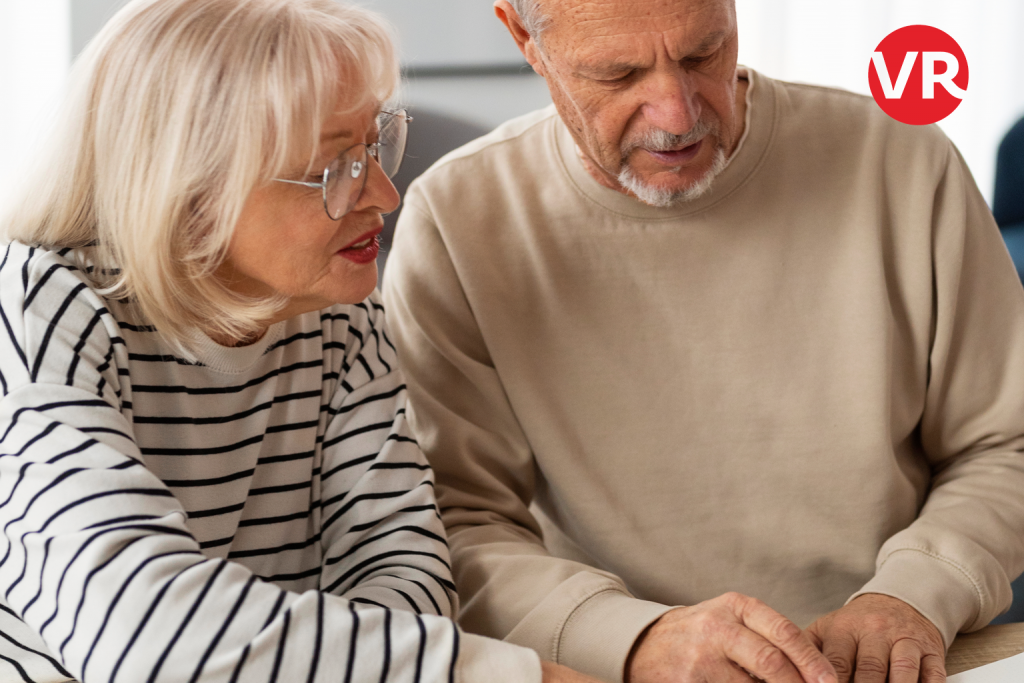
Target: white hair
{"points": [[177, 111], [534, 21], [660, 140]]}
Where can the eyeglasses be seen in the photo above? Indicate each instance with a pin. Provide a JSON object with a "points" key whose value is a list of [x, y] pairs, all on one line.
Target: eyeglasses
{"points": [[345, 177]]}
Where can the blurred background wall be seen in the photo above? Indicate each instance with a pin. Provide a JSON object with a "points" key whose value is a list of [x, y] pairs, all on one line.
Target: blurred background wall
{"points": [[460, 62]]}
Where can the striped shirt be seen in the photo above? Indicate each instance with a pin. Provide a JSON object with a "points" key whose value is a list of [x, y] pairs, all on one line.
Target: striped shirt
{"points": [[261, 514]]}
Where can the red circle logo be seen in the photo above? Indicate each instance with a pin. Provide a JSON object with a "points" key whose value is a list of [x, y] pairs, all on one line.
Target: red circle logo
{"points": [[918, 75]]}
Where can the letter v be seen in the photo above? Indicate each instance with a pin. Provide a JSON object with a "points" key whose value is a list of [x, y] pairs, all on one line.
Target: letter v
{"points": [[893, 93]]}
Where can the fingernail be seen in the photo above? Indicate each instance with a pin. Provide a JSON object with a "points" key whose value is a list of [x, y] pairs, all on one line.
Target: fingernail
{"points": [[827, 678]]}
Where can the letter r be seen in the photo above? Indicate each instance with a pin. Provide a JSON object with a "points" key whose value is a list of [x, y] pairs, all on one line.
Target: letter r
{"points": [[929, 78]]}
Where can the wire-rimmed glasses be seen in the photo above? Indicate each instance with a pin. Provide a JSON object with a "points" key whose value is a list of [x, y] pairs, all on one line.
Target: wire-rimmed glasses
{"points": [[345, 177]]}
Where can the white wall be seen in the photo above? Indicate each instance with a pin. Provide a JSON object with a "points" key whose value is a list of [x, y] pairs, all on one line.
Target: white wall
{"points": [[87, 18], [830, 42], [35, 53], [819, 41], [439, 39], [448, 32]]}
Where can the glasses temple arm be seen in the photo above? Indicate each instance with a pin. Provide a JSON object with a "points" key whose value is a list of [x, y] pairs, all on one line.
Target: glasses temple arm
{"points": [[299, 182]]}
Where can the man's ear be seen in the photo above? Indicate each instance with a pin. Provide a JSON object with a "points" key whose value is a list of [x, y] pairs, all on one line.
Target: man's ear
{"points": [[524, 41]]}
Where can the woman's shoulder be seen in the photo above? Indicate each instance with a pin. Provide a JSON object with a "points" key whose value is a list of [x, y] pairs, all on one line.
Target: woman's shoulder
{"points": [[359, 332], [48, 284], [51, 313], [354, 322], [30, 271]]}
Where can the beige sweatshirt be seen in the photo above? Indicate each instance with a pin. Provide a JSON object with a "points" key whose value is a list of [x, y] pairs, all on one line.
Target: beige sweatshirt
{"points": [[806, 385]]}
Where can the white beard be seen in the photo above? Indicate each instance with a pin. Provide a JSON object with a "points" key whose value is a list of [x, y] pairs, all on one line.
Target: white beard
{"points": [[663, 198], [658, 140]]}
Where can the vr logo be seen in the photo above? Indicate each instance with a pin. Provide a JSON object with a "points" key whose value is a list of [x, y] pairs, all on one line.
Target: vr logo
{"points": [[899, 98], [928, 78]]}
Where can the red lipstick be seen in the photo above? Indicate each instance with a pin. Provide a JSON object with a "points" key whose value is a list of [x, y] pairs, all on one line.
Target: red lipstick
{"points": [[364, 249]]}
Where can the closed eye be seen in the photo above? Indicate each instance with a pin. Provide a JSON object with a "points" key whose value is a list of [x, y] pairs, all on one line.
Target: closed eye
{"points": [[619, 79], [699, 60]]}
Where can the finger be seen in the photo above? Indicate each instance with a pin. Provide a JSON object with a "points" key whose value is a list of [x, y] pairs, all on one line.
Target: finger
{"points": [[758, 656], [790, 640], [933, 668], [872, 664], [905, 662], [812, 634], [732, 673], [840, 649]]}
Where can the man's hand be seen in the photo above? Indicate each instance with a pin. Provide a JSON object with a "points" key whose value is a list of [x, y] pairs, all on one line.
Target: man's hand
{"points": [[555, 673], [726, 640], [875, 636]]}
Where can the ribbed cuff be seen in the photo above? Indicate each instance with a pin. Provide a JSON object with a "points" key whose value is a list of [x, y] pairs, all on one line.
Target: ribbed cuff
{"points": [[599, 634], [485, 660], [942, 592]]}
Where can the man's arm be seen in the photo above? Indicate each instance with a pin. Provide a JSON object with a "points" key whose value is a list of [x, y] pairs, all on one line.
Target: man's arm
{"points": [[950, 570], [509, 585]]}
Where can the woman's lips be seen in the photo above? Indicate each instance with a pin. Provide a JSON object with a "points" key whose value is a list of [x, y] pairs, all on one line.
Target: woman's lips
{"points": [[364, 250], [678, 157]]}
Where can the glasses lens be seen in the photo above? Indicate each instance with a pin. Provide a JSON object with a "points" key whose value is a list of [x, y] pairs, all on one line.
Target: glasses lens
{"points": [[346, 177], [394, 133]]}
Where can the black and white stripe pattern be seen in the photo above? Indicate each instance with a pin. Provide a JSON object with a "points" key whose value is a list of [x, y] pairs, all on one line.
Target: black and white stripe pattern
{"points": [[263, 515]]}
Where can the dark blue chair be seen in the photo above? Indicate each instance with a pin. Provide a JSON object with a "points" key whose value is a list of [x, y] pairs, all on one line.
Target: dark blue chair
{"points": [[1008, 202], [1008, 208], [1016, 612]]}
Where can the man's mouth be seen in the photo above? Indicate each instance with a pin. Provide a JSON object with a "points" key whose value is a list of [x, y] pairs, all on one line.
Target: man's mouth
{"points": [[677, 157]]}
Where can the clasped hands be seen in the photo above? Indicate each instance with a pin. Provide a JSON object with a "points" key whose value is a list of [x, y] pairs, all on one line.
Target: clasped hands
{"points": [[733, 639]]}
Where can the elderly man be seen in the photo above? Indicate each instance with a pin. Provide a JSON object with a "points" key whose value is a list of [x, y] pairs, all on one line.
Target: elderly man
{"points": [[693, 342]]}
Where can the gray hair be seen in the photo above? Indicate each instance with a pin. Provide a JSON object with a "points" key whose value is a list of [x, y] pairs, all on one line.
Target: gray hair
{"points": [[533, 20]]}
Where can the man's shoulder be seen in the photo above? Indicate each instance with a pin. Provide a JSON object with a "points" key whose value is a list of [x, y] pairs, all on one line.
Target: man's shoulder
{"points": [[834, 111], [823, 125], [514, 142]]}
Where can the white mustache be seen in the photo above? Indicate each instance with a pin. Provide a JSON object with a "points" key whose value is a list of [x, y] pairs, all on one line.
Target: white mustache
{"points": [[658, 140]]}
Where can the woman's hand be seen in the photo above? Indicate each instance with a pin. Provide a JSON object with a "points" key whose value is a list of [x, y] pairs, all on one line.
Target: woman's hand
{"points": [[556, 673]]}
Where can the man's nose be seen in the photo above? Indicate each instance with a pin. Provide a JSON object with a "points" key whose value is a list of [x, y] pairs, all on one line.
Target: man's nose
{"points": [[670, 102]]}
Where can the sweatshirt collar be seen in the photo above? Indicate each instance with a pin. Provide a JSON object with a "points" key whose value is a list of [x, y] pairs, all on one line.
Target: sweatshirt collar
{"points": [[234, 360]]}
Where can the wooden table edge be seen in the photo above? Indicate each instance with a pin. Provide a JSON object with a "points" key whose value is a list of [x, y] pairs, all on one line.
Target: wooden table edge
{"points": [[990, 644]]}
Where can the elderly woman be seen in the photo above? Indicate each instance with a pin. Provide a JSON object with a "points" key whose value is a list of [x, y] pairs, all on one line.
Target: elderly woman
{"points": [[206, 469]]}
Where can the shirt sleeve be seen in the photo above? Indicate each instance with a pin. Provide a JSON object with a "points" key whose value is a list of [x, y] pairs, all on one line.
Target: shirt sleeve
{"points": [[954, 564], [383, 537], [97, 558], [511, 587]]}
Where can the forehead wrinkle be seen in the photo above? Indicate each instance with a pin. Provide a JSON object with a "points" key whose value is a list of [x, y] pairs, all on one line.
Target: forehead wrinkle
{"points": [[574, 15], [607, 43]]}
